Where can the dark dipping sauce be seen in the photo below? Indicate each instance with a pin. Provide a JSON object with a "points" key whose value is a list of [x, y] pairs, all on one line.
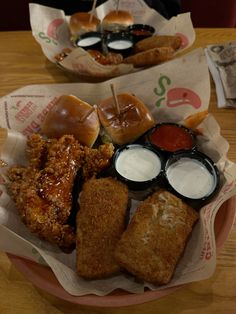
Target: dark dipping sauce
{"points": [[171, 137], [141, 32]]}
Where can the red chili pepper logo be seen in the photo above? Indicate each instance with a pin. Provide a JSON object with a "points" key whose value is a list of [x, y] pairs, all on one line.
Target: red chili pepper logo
{"points": [[184, 40], [53, 27], [182, 96]]}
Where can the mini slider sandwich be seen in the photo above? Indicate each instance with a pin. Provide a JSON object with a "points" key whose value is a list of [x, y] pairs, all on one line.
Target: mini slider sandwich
{"points": [[126, 120], [71, 115], [117, 20], [82, 22]]}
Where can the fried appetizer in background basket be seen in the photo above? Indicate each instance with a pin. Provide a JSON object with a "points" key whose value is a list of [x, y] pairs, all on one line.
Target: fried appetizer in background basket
{"points": [[156, 237], [150, 57], [42, 191], [158, 41], [100, 223]]}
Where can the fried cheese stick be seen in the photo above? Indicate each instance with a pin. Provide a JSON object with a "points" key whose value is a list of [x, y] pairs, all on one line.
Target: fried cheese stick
{"points": [[100, 223], [156, 237]]}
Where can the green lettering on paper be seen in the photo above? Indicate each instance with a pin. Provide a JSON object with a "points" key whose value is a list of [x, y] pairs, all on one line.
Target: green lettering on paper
{"points": [[44, 37], [162, 89]]}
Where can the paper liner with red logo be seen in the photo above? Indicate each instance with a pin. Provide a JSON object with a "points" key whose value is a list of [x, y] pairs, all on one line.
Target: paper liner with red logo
{"points": [[50, 29]]}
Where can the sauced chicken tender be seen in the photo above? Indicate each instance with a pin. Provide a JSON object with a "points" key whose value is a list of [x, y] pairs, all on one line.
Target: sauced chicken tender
{"points": [[156, 237], [43, 190], [100, 223]]}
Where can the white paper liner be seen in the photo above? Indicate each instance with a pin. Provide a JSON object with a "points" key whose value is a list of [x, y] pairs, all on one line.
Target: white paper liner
{"points": [[172, 92], [50, 29]]}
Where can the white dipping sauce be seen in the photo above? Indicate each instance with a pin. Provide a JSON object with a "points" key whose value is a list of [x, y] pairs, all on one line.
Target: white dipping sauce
{"points": [[138, 164], [88, 41], [191, 178], [120, 44]]}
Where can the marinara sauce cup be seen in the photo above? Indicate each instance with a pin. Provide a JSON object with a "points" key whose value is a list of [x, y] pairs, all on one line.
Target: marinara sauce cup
{"points": [[140, 31], [171, 137]]}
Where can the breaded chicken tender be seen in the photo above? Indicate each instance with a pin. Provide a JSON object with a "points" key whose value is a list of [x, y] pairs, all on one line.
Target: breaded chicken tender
{"points": [[156, 237], [42, 191], [100, 223]]}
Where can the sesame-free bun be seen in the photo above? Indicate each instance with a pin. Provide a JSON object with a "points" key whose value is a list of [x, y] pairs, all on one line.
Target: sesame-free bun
{"points": [[117, 20], [72, 116], [80, 23], [133, 120]]}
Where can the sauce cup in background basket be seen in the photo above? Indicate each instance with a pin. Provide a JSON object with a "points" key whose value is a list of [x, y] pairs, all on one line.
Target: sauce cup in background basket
{"points": [[119, 43], [140, 31], [90, 40]]}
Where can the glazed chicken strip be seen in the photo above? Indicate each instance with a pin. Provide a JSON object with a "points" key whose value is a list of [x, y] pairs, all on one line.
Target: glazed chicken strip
{"points": [[56, 180], [43, 197]]}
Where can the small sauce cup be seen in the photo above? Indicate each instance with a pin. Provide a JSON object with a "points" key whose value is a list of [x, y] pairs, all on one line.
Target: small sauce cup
{"points": [[171, 137], [140, 31], [192, 176], [139, 166], [90, 40], [120, 43]]}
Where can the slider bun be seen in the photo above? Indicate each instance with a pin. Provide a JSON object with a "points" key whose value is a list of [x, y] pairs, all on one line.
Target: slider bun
{"points": [[79, 23], [117, 19], [133, 121], [68, 116]]}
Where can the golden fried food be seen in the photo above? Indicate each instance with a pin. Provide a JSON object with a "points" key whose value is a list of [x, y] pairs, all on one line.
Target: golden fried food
{"points": [[100, 223], [156, 237], [43, 191], [158, 41], [150, 57], [111, 58], [96, 160]]}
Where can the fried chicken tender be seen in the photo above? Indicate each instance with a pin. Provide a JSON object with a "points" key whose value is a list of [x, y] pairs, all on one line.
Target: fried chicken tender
{"points": [[100, 223], [43, 191], [96, 160], [156, 237]]}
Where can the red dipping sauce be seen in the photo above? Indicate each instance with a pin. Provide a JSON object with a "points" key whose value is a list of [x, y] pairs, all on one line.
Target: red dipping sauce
{"points": [[172, 137], [141, 32]]}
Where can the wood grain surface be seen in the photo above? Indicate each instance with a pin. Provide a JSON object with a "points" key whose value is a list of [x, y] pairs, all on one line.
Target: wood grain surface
{"points": [[23, 63]]}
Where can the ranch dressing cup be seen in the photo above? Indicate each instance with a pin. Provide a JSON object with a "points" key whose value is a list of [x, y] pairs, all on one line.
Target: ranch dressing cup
{"points": [[139, 166], [120, 43], [192, 176], [90, 40]]}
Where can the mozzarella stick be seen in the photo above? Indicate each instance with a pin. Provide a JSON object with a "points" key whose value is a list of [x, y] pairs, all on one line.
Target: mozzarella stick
{"points": [[150, 57], [158, 41]]}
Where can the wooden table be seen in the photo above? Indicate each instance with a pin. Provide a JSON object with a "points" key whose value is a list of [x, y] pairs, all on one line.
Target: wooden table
{"points": [[22, 63]]}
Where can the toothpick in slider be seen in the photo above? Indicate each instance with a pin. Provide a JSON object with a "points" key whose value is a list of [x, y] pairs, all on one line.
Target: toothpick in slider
{"points": [[87, 114], [115, 99], [92, 11], [117, 5]]}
